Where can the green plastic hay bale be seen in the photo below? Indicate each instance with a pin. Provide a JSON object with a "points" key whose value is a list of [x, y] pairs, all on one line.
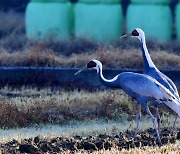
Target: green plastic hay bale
{"points": [[99, 22], [49, 21], [177, 19], [49, 1], [101, 1], [155, 20], [151, 1]]}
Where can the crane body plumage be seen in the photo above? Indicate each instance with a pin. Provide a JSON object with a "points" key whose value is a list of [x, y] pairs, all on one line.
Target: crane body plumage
{"points": [[151, 70], [141, 87]]}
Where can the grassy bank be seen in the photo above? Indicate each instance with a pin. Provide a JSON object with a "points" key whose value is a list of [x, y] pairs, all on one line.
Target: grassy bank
{"points": [[109, 56], [31, 106], [27, 106]]}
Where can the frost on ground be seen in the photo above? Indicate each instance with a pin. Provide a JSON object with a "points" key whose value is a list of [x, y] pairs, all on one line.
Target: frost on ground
{"points": [[85, 128], [91, 127]]}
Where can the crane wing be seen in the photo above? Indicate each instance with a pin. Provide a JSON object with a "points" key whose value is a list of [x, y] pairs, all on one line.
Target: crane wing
{"points": [[170, 83], [168, 98]]}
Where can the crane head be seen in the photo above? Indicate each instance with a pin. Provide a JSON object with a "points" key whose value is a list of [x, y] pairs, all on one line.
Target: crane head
{"points": [[91, 64], [135, 33]]}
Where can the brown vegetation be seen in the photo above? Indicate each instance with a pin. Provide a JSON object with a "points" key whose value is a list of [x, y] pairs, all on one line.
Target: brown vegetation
{"points": [[24, 107], [110, 57], [40, 107]]}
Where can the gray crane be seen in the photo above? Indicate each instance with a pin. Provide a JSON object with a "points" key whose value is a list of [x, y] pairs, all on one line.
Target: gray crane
{"points": [[141, 87], [151, 70]]}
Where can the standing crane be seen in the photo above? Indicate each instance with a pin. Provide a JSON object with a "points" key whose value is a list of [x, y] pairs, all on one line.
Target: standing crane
{"points": [[151, 70], [141, 87]]}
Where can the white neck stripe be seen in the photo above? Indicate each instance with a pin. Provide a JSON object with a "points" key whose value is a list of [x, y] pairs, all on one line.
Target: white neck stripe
{"points": [[150, 62]]}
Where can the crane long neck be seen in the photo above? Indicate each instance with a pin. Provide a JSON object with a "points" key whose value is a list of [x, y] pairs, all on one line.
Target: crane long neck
{"points": [[106, 82], [148, 63]]}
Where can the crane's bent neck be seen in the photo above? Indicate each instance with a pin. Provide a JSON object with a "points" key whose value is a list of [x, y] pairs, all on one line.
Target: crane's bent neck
{"points": [[106, 82], [148, 63]]}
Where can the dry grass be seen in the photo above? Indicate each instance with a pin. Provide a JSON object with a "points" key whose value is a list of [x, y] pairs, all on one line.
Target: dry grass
{"points": [[60, 107], [26, 107], [166, 149], [38, 55]]}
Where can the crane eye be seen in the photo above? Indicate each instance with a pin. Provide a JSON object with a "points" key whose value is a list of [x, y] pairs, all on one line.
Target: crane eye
{"points": [[91, 64], [135, 33]]}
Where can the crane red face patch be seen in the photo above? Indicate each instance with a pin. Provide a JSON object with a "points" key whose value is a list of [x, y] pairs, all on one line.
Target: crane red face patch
{"points": [[91, 64], [135, 33]]}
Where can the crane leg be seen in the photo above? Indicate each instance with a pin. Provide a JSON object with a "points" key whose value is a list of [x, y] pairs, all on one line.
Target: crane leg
{"points": [[137, 120], [158, 118], [155, 124], [174, 124]]}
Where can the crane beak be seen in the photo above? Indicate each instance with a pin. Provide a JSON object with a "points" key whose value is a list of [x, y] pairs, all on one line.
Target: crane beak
{"points": [[126, 35], [82, 69]]}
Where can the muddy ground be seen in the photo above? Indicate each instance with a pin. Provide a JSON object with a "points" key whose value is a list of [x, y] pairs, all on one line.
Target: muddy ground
{"points": [[90, 143]]}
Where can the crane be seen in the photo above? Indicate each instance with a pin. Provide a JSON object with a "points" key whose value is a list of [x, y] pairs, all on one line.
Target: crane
{"points": [[151, 70], [141, 87]]}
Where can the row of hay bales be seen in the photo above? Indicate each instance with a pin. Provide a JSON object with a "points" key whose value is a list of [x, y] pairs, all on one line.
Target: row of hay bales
{"points": [[99, 20]]}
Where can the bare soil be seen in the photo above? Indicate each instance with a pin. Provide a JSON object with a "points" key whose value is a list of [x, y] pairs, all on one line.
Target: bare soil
{"points": [[90, 143]]}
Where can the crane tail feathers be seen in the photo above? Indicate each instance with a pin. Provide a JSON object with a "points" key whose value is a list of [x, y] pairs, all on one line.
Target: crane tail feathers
{"points": [[174, 105]]}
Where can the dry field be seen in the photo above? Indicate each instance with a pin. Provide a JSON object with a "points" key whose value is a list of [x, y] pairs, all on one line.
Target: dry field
{"points": [[24, 107], [78, 121], [166, 149], [122, 142], [56, 120], [27, 106], [109, 56]]}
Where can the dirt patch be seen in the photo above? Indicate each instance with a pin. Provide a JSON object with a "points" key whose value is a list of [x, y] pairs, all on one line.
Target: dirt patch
{"points": [[90, 143]]}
